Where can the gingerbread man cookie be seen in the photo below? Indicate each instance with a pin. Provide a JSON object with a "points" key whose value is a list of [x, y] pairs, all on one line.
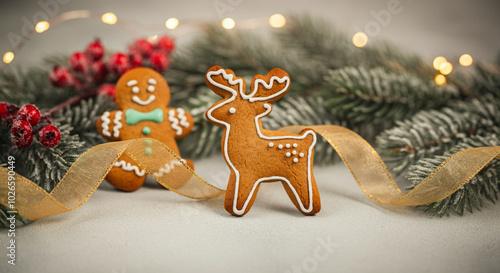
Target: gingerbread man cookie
{"points": [[255, 155], [142, 95]]}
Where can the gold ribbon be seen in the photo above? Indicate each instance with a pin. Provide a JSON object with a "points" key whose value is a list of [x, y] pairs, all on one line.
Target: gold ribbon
{"points": [[368, 169]]}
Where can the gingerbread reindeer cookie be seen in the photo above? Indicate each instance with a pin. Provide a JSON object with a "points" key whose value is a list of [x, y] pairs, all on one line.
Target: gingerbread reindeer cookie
{"points": [[142, 95], [255, 155]]}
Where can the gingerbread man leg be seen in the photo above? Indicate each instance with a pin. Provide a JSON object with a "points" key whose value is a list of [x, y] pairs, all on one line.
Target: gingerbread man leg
{"points": [[126, 175]]}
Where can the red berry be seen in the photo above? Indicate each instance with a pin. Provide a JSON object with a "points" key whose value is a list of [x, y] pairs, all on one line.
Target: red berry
{"points": [[95, 50], [79, 62], [106, 89], [135, 58], [49, 136], [119, 64], [159, 61], [21, 134], [61, 77], [3, 109], [99, 71], [166, 44], [143, 46], [29, 113]]}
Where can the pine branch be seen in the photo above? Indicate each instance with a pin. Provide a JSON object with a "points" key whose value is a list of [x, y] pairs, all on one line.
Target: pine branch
{"points": [[485, 184], [31, 86], [83, 118], [371, 100], [42, 165], [319, 40], [433, 132]]}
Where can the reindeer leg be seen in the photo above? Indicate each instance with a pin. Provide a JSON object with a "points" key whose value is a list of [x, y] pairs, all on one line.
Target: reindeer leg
{"points": [[247, 192], [126, 180], [302, 190]]}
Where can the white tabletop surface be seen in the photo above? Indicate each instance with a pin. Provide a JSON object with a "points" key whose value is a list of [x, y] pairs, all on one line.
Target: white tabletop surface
{"points": [[155, 230]]}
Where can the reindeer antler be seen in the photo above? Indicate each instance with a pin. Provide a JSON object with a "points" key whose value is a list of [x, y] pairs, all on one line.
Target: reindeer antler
{"points": [[224, 82], [270, 88]]}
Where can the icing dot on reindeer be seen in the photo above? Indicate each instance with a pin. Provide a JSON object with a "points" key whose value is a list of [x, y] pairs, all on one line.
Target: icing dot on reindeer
{"points": [[288, 145], [294, 152], [301, 154], [295, 145], [271, 144], [288, 154], [280, 146], [232, 110], [295, 160]]}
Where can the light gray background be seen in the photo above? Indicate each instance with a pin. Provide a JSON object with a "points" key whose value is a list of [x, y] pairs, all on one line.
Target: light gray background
{"points": [[154, 230]]}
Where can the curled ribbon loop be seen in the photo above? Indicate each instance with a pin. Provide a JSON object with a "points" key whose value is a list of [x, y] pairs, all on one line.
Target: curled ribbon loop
{"points": [[368, 169]]}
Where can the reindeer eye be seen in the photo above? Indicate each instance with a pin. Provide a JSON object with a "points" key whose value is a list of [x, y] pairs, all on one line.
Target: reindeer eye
{"points": [[232, 110]]}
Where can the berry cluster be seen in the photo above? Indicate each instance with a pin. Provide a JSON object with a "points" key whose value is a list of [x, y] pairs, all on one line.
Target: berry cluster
{"points": [[88, 69], [27, 121]]}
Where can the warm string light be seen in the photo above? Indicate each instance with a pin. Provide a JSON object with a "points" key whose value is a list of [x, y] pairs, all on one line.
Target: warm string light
{"points": [[42, 26], [440, 79], [438, 61], [465, 60], [172, 23], [8, 57], [359, 39], [109, 18], [277, 20], [446, 68], [228, 23]]}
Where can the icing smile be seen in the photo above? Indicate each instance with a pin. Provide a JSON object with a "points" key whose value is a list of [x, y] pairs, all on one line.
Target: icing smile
{"points": [[141, 102]]}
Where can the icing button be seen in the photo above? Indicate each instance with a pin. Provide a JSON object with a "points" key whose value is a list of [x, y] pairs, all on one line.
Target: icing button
{"points": [[146, 130], [148, 151], [148, 142]]}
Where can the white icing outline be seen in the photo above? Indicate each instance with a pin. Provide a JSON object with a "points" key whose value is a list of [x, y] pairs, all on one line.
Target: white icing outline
{"points": [[126, 166], [230, 80], [117, 123], [105, 124], [131, 83], [182, 117], [141, 102], [174, 122], [250, 97], [168, 168]]}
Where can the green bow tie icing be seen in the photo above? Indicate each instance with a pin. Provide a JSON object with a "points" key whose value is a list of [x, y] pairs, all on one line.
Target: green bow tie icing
{"points": [[133, 116]]}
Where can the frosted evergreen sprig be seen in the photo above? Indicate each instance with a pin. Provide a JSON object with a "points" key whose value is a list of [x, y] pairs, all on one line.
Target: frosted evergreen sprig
{"points": [[433, 132], [371, 100], [485, 184]]}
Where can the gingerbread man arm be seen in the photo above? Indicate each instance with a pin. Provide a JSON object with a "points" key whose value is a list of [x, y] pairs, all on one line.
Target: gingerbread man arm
{"points": [[110, 124], [181, 121]]}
